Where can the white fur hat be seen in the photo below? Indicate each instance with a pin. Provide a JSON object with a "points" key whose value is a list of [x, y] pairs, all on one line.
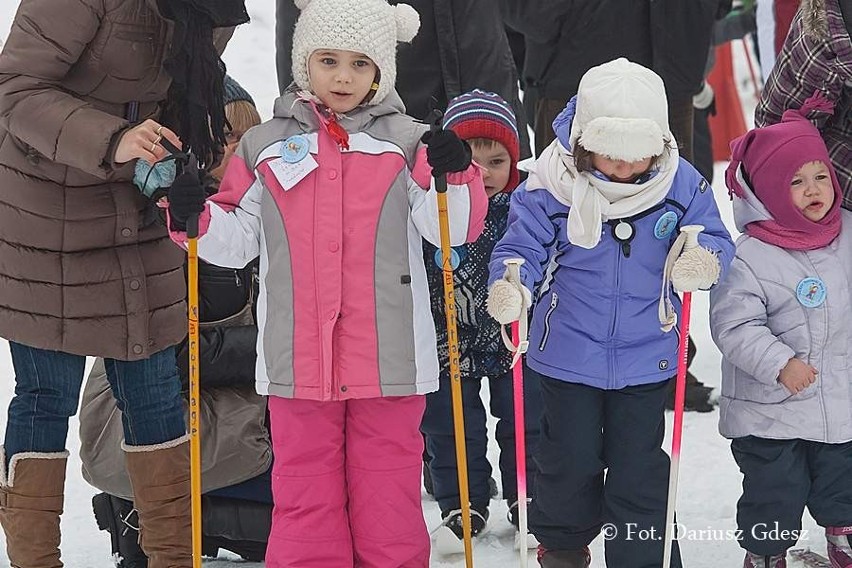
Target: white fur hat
{"points": [[371, 27], [622, 112]]}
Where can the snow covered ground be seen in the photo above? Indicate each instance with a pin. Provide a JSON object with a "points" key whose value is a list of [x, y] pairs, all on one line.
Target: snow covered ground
{"points": [[709, 479]]}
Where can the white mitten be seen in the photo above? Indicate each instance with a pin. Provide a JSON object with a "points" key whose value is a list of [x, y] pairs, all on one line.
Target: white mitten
{"points": [[695, 269], [506, 301]]}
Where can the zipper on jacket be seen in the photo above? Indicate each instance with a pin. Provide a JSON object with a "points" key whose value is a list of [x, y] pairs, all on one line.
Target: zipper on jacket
{"points": [[554, 301], [612, 368], [615, 298]]}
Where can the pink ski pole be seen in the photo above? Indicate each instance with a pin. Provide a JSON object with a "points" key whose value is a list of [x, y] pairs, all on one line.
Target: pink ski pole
{"points": [[519, 346], [691, 232]]}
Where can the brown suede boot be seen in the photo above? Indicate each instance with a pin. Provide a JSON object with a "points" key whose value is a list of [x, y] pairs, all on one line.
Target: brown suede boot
{"points": [[31, 500], [159, 475]]}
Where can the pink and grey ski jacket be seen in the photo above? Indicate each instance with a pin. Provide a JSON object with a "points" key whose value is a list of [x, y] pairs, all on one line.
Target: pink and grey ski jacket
{"points": [[343, 310]]}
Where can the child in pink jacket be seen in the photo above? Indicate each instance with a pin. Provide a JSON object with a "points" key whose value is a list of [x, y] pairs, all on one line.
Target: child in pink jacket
{"points": [[334, 194]]}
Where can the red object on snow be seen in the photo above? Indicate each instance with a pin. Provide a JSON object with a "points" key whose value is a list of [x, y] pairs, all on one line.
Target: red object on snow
{"points": [[729, 122]]}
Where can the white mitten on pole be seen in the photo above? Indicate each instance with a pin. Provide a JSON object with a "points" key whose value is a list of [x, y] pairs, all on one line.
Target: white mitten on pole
{"points": [[507, 301], [695, 269]]}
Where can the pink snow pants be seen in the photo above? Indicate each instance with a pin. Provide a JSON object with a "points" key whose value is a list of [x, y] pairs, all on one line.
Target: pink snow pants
{"points": [[346, 484]]}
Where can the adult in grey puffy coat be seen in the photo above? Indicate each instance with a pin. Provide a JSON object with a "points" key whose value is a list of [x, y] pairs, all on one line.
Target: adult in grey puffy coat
{"points": [[781, 319]]}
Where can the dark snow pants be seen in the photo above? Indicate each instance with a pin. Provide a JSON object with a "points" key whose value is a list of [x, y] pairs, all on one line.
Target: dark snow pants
{"points": [[437, 425], [586, 431], [781, 478]]}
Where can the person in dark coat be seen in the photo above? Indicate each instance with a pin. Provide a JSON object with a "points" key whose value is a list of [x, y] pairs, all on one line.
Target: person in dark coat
{"points": [[566, 39], [461, 46]]}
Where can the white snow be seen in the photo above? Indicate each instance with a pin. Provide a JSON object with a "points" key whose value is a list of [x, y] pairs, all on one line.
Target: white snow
{"points": [[709, 479]]}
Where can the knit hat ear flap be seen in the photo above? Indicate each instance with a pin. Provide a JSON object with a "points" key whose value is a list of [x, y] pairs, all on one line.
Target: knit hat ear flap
{"points": [[407, 22], [301, 4]]}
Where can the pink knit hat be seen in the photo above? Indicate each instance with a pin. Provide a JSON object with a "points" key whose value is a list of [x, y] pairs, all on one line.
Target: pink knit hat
{"points": [[772, 155]]}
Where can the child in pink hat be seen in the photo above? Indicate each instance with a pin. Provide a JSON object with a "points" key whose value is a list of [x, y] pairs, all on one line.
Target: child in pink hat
{"points": [[781, 319]]}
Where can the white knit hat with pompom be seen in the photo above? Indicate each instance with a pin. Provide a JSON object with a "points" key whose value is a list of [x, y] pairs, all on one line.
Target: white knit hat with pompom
{"points": [[371, 27]]}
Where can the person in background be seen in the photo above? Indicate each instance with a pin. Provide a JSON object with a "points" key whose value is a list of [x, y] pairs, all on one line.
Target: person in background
{"points": [[817, 55], [461, 46], [488, 124], [236, 450], [87, 88], [596, 226], [781, 321]]}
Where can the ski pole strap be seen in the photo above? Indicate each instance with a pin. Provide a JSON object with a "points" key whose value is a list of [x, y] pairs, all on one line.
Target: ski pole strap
{"points": [[513, 275]]}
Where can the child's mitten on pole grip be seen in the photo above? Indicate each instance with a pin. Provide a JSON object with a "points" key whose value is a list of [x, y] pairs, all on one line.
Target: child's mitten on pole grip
{"points": [[695, 269], [507, 301]]}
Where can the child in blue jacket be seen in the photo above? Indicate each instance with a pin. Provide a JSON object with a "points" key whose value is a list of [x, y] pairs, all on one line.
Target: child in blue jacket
{"points": [[595, 223]]}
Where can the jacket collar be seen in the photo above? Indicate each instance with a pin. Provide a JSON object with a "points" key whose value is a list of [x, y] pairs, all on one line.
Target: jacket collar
{"points": [[290, 105]]}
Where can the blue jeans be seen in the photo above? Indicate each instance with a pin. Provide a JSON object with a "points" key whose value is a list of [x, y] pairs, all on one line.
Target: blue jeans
{"points": [[47, 394]]}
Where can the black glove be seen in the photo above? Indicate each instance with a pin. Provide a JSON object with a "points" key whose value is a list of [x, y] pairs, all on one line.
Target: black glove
{"points": [[186, 198], [446, 152]]}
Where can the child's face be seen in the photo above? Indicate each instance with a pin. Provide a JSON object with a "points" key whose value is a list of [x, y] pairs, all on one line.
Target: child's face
{"points": [[341, 79], [619, 170], [232, 140], [812, 190], [497, 164]]}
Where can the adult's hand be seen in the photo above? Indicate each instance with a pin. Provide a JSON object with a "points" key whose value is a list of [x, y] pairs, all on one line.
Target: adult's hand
{"points": [[143, 141]]}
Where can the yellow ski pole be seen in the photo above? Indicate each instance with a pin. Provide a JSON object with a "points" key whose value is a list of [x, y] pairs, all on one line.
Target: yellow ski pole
{"points": [[188, 161], [194, 390], [453, 344]]}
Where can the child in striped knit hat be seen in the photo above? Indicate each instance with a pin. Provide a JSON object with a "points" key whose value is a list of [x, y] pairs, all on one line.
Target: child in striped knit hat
{"points": [[488, 124]]}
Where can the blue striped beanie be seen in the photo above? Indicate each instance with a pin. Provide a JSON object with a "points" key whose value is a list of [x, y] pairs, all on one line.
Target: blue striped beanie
{"points": [[480, 114]]}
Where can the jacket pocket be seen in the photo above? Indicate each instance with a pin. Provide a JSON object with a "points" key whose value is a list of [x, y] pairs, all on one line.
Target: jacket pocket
{"points": [[554, 301], [750, 389]]}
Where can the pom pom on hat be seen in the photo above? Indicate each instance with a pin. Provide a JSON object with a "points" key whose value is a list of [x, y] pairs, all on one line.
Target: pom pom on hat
{"points": [[480, 114], [407, 22], [371, 27]]}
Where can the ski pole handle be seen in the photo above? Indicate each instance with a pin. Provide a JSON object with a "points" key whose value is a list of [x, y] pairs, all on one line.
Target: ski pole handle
{"points": [[691, 232], [513, 266], [436, 124], [520, 346]]}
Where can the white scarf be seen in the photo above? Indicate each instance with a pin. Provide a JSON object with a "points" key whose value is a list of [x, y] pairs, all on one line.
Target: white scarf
{"points": [[593, 201]]}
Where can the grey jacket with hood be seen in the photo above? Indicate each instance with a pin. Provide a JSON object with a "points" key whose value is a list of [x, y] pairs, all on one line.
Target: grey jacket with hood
{"points": [[758, 323]]}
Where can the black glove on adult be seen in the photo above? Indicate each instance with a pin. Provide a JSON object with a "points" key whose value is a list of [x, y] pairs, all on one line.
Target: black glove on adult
{"points": [[446, 152], [186, 198]]}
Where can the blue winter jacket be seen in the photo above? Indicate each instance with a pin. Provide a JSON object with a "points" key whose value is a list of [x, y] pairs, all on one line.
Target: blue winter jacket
{"points": [[595, 320]]}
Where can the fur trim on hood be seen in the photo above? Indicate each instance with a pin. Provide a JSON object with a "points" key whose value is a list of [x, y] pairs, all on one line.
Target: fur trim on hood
{"points": [[815, 18]]}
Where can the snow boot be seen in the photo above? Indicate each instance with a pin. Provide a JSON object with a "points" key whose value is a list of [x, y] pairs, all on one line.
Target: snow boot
{"points": [[159, 475], [758, 561], [839, 541], [697, 397], [239, 525], [31, 500], [513, 516], [118, 517], [449, 537], [579, 558]]}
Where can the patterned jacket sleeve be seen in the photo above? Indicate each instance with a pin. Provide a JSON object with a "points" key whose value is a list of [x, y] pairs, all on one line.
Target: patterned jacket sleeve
{"points": [[805, 64]]}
